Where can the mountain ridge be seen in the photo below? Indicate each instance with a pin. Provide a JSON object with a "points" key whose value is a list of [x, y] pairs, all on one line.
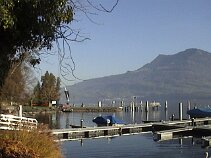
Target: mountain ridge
{"points": [[184, 75]]}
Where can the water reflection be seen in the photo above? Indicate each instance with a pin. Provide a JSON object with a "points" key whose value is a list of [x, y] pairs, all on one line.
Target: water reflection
{"points": [[67, 119], [166, 115]]}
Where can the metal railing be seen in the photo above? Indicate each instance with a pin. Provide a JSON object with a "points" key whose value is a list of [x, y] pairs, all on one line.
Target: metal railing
{"points": [[11, 122]]}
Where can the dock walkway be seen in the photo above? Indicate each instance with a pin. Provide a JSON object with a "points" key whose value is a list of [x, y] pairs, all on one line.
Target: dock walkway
{"points": [[162, 130]]}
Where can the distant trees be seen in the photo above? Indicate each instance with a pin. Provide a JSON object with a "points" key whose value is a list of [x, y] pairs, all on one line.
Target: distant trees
{"points": [[17, 84], [48, 90]]}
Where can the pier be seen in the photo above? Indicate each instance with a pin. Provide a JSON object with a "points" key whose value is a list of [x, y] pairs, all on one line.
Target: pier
{"points": [[95, 132], [161, 130]]}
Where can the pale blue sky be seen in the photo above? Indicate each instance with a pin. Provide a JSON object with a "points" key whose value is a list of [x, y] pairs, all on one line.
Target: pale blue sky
{"points": [[135, 33]]}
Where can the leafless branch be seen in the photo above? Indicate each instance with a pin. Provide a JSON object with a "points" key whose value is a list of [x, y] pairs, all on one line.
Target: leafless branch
{"points": [[66, 34], [102, 8]]}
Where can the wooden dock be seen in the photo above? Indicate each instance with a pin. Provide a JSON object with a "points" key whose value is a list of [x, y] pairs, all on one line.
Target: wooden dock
{"points": [[94, 132], [170, 134], [162, 130]]}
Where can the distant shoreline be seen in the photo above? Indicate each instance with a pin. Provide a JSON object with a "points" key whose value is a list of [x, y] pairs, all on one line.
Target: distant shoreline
{"points": [[92, 109]]}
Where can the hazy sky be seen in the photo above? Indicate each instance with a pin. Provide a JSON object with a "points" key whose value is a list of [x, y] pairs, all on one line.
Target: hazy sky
{"points": [[135, 33]]}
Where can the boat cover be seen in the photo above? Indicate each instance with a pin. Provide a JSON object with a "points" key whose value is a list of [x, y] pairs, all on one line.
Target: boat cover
{"points": [[105, 120], [199, 112]]}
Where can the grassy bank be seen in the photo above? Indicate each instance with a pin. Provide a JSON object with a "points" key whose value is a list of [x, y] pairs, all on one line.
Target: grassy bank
{"points": [[34, 144]]}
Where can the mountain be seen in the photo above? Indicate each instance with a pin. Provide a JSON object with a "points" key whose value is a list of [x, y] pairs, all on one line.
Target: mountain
{"points": [[185, 75]]}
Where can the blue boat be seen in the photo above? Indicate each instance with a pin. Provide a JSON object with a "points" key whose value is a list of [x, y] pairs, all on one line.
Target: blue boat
{"points": [[107, 121], [199, 112]]}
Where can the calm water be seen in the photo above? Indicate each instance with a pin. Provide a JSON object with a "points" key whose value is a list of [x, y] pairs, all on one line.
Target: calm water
{"points": [[140, 145]]}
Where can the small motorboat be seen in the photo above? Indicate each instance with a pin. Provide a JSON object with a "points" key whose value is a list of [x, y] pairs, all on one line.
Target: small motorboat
{"points": [[108, 120], [199, 112]]}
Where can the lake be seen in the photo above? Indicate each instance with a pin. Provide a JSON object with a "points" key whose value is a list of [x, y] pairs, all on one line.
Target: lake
{"points": [[140, 145]]}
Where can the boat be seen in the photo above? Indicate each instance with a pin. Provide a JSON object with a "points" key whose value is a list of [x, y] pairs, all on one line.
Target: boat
{"points": [[154, 104], [199, 112], [108, 120]]}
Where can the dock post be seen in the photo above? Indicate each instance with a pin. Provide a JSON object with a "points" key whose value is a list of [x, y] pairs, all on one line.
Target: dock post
{"points": [[180, 111], [172, 117], [20, 110], [188, 108], [82, 123], [147, 106], [166, 105], [192, 121]]}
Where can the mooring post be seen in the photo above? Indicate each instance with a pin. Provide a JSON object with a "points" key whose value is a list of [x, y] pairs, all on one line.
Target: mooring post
{"points": [[20, 110], [172, 117], [192, 121], [82, 123], [166, 105], [188, 108], [180, 111], [147, 106]]}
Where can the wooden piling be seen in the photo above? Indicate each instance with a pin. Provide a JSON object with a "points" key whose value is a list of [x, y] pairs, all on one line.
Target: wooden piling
{"points": [[166, 105], [180, 111], [147, 106]]}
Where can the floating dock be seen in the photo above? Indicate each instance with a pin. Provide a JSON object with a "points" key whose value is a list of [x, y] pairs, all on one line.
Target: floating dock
{"points": [[161, 130]]}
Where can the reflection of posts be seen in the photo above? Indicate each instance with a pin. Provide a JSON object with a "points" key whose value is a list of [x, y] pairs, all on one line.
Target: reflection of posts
{"points": [[147, 116], [166, 114], [82, 143], [180, 142]]}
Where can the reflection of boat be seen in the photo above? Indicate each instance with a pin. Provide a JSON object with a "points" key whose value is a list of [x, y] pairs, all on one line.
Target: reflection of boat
{"points": [[107, 121], [199, 112]]}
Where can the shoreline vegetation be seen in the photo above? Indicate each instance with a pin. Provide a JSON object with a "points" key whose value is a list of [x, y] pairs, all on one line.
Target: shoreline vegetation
{"points": [[92, 109], [28, 110], [38, 142], [29, 144]]}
